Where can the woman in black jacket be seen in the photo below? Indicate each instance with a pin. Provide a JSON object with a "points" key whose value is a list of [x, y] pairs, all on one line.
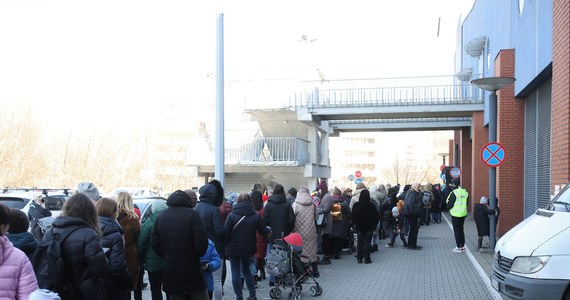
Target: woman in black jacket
{"points": [[118, 285], [240, 227], [84, 261], [365, 217]]}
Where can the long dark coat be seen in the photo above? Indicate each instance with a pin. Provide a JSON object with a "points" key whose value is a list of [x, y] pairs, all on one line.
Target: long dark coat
{"points": [[481, 216], [180, 238]]}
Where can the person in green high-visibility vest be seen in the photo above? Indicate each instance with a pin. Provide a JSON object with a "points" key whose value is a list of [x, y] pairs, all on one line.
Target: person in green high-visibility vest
{"points": [[457, 205]]}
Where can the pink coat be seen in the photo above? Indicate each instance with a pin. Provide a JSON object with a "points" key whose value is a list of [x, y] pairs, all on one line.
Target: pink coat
{"points": [[17, 276]]}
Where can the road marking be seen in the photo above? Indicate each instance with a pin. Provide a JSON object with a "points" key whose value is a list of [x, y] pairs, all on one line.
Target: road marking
{"points": [[496, 295]]}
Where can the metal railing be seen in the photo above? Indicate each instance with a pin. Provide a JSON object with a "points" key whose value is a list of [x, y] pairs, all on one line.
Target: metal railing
{"points": [[260, 151], [400, 91]]}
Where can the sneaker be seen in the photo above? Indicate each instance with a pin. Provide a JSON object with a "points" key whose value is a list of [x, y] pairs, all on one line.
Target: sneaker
{"points": [[457, 250], [462, 249], [389, 245]]}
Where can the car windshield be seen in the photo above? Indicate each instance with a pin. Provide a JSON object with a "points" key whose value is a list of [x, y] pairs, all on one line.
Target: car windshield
{"points": [[561, 202], [13, 202]]}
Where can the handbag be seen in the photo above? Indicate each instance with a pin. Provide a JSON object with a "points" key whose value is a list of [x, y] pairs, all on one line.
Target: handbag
{"points": [[321, 219]]}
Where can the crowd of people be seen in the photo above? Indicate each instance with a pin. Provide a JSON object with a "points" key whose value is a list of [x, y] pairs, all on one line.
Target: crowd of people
{"points": [[185, 244]]}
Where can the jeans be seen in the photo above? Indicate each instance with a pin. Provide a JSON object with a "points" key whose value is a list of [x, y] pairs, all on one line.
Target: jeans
{"points": [[436, 217], [425, 216], [241, 265], [389, 230], [218, 281], [363, 245], [414, 229], [458, 231]]}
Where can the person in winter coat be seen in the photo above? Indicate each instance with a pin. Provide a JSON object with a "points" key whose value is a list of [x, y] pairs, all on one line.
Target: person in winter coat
{"points": [[340, 224], [130, 222], [240, 227], [365, 217], [425, 219], [436, 204], [398, 224], [211, 197], [305, 215], [356, 194], [84, 261], [19, 235], [457, 203], [481, 215], [413, 211], [279, 216], [256, 199], [180, 239], [211, 261], [17, 276], [153, 263], [118, 285], [37, 211], [324, 206]]}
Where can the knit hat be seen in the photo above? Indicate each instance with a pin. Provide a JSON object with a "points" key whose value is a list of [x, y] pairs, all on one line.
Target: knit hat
{"points": [[395, 211], [337, 191], [360, 186], [483, 200], [18, 221], [89, 189], [323, 186]]}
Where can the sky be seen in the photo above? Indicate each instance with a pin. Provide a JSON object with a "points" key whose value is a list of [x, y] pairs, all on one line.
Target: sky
{"points": [[105, 58]]}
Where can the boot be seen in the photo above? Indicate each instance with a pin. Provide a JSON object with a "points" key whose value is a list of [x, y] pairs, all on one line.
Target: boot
{"points": [[260, 266], [479, 242], [315, 269]]}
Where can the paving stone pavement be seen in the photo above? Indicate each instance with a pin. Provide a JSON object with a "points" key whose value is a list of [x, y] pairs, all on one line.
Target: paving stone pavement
{"points": [[434, 272]]}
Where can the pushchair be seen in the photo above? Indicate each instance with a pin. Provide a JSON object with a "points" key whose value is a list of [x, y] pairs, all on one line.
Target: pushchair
{"points": [[284, 262]]}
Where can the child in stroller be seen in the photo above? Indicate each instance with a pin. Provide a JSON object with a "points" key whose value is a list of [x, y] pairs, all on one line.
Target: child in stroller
{"points": [[284, 262]]}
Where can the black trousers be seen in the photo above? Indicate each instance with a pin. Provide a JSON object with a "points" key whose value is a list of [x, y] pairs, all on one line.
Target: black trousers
{"points": [[458, 231], [414, 230]]}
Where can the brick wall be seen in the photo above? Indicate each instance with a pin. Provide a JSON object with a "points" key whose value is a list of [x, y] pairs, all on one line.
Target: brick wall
{"points": [[479, 171], [560, 155], [466, 157], [510, 134]]}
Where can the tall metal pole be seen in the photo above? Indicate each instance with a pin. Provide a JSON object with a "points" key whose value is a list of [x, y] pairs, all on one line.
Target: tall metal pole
{"points": [[492, 170], [219, 168]]}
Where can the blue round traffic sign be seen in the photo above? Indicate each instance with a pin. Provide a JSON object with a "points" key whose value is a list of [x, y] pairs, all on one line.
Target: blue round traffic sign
{"points": [[358, 180], [455, 172], [493, 154]]}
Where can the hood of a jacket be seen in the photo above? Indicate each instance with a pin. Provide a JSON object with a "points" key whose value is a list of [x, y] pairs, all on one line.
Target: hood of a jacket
{"points": [[209, 193], [304, 199], [6, 248], [179, 198], [66, 221], [109, 225], [277, 198], [244, 208]]}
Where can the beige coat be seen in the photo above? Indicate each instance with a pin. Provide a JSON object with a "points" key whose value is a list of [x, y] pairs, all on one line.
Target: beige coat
{"points": [[305, 215]]}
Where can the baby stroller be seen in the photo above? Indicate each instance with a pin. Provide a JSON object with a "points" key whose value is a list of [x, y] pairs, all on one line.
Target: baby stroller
{"points": [[284, 262]]}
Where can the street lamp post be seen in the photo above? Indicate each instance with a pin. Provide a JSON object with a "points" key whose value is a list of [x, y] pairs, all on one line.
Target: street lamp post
{"points": [[492, 84]]}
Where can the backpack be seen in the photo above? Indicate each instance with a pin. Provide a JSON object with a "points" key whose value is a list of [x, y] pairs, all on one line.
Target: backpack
{"points": [[426, 197], [336, 211], [48, 262]]}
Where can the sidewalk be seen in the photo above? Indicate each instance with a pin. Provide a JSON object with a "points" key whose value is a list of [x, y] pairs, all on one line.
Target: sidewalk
{"points": [[398, 273]]}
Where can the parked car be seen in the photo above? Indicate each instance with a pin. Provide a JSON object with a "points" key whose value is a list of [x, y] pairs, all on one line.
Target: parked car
{"points": [[134, 191], [21, 199], [532, 260], [144, 205]]}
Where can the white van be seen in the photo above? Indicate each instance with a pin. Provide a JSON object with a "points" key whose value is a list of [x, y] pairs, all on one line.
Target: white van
{"points": [[532, 260]]}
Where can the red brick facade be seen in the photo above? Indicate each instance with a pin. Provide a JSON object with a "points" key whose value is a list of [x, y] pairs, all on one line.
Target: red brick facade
{"points": [[479, 171], [560, 152], [510, 134]]}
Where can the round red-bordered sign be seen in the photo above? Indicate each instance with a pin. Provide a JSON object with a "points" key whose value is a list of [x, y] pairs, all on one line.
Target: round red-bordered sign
{"points": [[493, 154]]}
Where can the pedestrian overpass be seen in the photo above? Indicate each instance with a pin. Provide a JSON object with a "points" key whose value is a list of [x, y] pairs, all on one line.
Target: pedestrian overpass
{"points": [[295, 122]]}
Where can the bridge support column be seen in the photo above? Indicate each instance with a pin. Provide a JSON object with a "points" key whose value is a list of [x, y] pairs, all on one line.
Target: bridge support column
{"points": [[466, 156], [479, 171]]}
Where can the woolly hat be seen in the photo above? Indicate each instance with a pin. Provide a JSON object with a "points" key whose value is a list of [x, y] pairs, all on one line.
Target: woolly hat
{"points": [[18, 221], [455, 181], [89, 189], [337, 191], [323, 186], [395, 211], [360, 186], [158, 206], [483, 200]]}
